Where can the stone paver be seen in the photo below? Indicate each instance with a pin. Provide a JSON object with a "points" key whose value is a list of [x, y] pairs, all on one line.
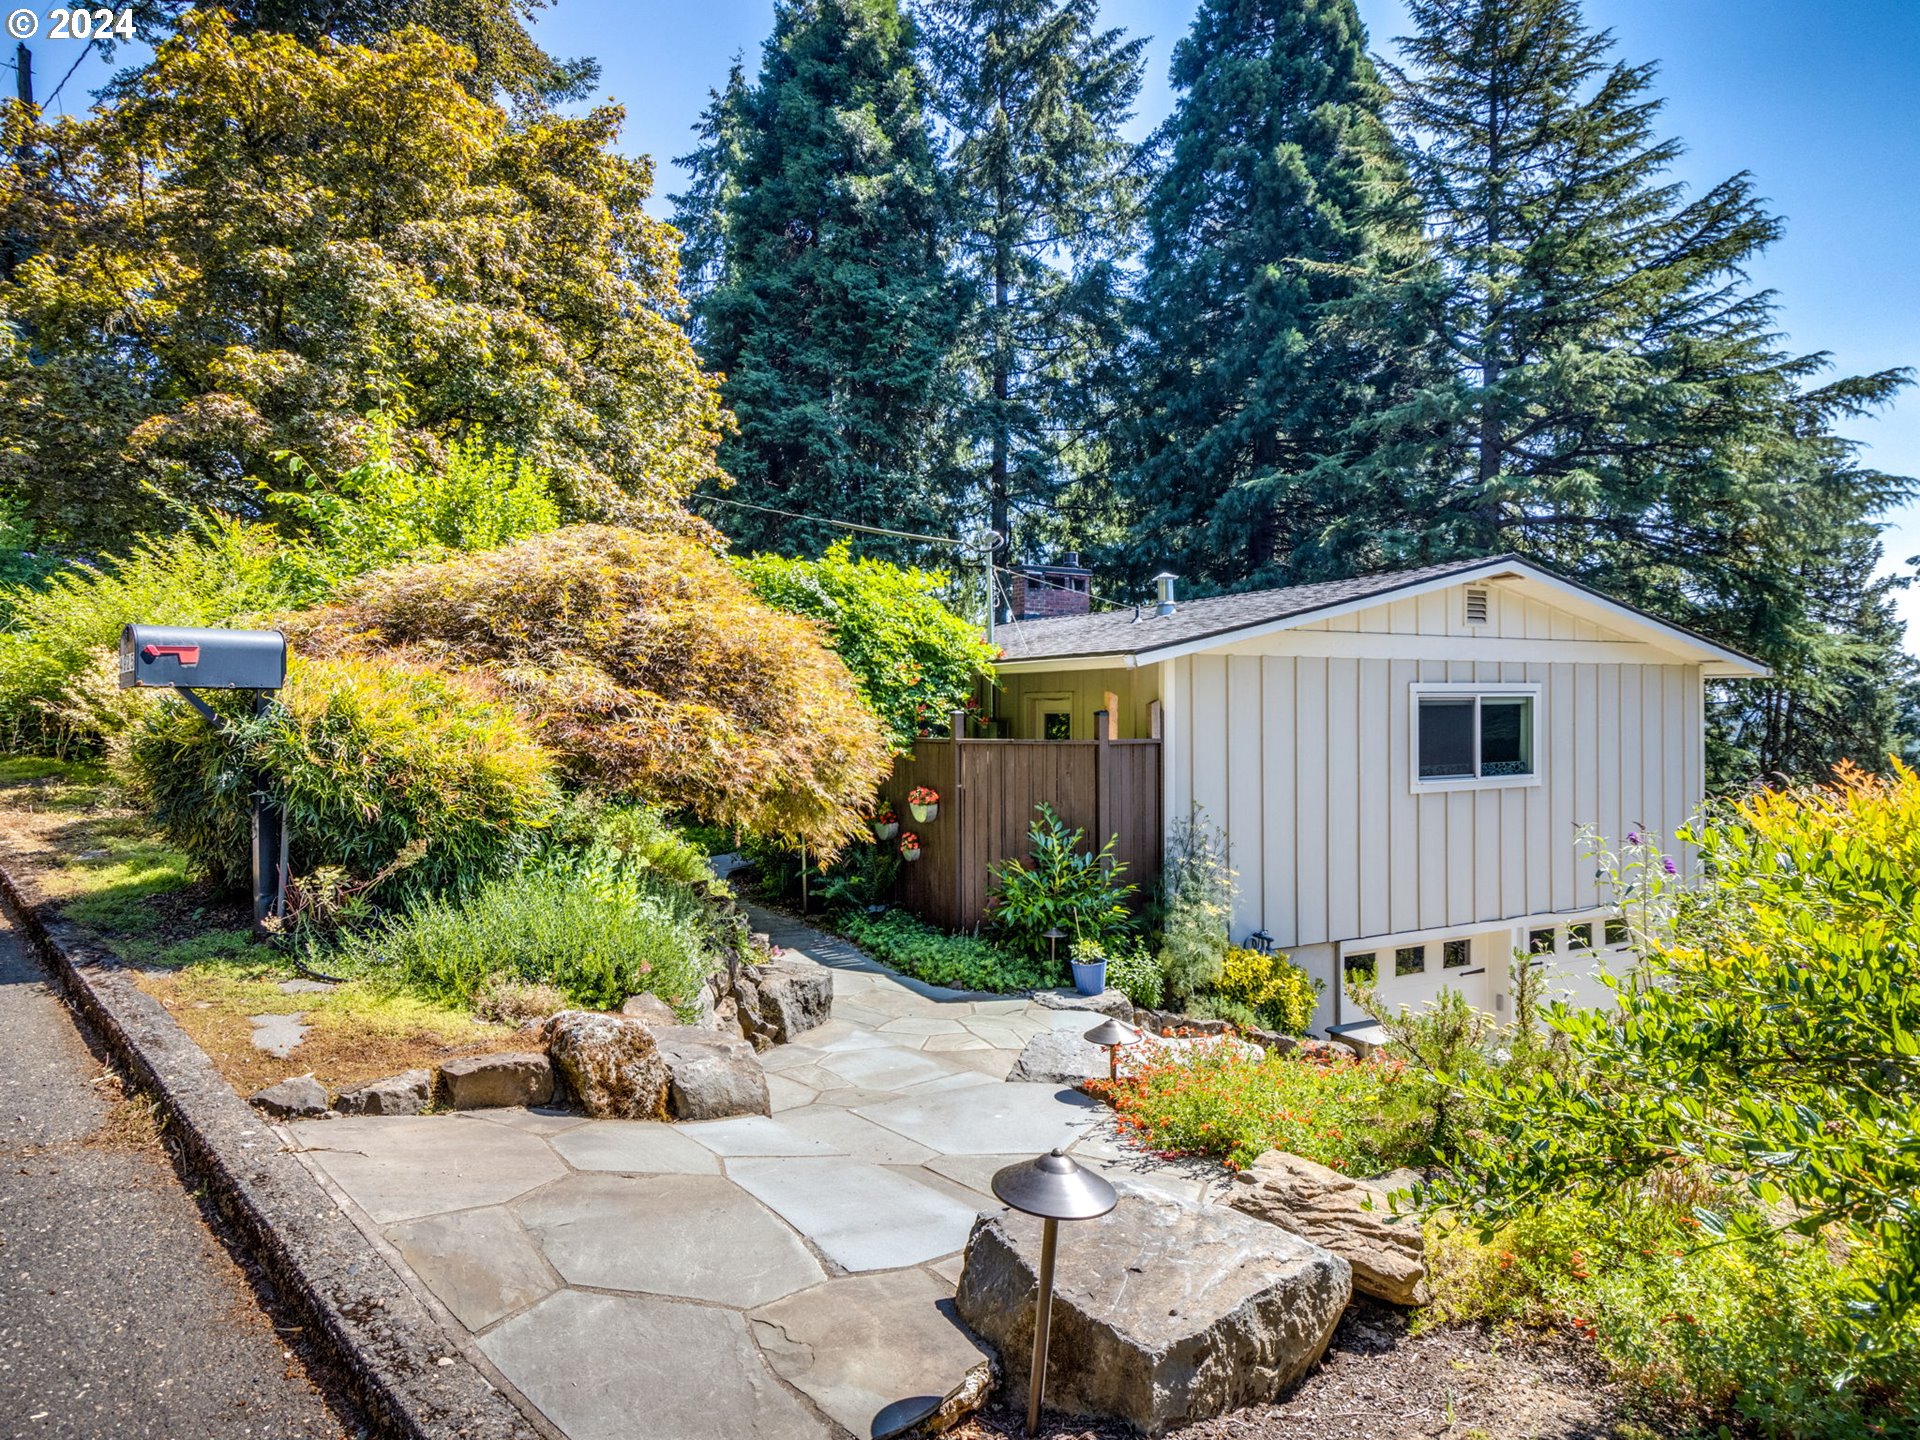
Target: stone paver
{"points": [[877, 1352], [694, 1236], [784, 1276], [629, 1367]]}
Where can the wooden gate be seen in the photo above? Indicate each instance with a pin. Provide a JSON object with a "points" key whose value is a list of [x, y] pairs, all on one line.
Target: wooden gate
{"points": [[988, 793]]}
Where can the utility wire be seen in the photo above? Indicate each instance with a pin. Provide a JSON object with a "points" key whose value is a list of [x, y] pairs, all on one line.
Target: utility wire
{"points": [[843, 524], [85, 50]]}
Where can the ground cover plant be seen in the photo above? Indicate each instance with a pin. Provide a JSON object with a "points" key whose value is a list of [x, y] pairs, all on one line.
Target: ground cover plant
{"points": [[926, 952], [1222, 1100]]}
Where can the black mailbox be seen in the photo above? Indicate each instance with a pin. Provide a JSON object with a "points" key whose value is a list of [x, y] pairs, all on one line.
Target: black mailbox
{"points": [[173, 656]]}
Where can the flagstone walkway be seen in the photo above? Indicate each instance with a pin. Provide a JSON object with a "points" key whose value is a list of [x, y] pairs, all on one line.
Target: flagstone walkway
{"points": [[783, 1278]]}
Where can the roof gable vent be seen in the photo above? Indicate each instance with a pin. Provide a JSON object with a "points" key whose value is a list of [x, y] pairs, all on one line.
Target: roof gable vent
{"points": [[1477, 606]]}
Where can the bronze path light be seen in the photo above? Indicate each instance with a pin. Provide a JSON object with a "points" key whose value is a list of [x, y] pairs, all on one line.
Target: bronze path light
{"points": [[1054, 1188], [1110, 1034]]}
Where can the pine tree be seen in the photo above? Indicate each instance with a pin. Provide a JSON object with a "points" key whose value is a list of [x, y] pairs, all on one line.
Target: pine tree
{"points": [[1032, 96], [1276, 308], [713, 167], [831, 316]]}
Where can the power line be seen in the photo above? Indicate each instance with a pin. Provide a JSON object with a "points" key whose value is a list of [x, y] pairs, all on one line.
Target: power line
{"points": [[84, 49], [842, 524]]}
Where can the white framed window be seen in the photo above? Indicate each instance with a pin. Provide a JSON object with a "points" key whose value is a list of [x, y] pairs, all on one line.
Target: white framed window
{"points": [[1471, 735]]}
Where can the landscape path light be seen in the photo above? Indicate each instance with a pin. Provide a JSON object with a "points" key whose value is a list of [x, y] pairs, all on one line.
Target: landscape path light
{"points": [[1053, 935], [1054, 1188], [1111, 1034]]}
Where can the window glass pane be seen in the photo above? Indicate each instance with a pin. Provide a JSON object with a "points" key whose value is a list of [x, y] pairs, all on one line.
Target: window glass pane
{"points": [[1506, 735], [1454, 954], [1410, 960], [1446, 738], [1057, 725], [1580, 937], [1360, 968], [1540, 942], [1616, 932]]}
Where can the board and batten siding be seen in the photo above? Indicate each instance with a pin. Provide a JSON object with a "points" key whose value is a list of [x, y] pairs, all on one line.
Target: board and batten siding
{"points": [[1305, 760]]}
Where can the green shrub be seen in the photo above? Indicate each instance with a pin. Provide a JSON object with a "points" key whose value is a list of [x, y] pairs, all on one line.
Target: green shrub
{"points": [[62, 632], [913, 660], [385, 510], [1134, 972], [1060, 886], [927, 953], [1741, 1335], [596, 934], [371, 764], [1196, 906], [1279, 994], [631, 834]]}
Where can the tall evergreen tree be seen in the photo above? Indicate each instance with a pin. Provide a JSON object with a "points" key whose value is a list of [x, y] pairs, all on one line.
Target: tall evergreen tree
{"points": [[831, 315], [713, 168], [1615, 399], [1276, 312], [1032, 96]]}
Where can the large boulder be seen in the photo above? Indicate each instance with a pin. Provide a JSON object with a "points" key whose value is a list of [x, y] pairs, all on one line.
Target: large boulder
{"points": [[610, 1063], [486, 1082], [302, 1097], [650, 1008], [404, 1094], [1107, 1002], [1060, 1057], [711, 1076], [781, 999], [1163, 1313], [1351, 1219]]}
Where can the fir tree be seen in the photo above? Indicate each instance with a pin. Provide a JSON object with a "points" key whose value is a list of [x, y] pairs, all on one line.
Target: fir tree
{"points": [[1032, 96], [831, 317], [713, 167], [1276, 313]]}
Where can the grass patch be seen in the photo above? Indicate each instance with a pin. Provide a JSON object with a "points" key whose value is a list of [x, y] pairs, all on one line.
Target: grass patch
{"points": [[1215, 1099]]}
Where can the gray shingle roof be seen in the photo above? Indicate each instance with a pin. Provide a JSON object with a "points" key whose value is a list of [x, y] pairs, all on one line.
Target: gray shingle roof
{"points": [[1117, 632]]}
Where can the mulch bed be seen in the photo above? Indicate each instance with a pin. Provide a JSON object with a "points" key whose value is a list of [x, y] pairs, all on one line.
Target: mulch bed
{"points": [[1378, 1382]]}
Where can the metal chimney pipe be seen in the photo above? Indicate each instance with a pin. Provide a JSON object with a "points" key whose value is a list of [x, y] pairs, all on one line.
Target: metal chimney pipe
{"points": [[1163, 583]]}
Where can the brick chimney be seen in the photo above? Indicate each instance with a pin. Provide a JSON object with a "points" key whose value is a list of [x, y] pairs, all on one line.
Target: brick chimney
{"points": [[1042, 591]]}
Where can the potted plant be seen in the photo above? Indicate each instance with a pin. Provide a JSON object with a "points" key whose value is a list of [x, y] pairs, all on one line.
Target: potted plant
{"points": [[886, 824], [1089, 959], [924, 801], [909, 846]]}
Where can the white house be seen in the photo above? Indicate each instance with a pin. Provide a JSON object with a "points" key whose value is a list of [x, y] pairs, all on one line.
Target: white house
{"points": [[1401, 763]]}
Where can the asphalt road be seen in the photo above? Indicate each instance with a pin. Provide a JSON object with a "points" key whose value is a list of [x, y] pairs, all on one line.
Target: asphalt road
{"points": [[122, 1316]]}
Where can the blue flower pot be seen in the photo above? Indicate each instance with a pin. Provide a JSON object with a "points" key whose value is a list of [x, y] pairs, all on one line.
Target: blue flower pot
{"points": [[1090, 978]]}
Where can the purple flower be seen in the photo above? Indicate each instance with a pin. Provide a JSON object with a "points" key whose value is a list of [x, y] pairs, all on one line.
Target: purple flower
{"points": [[1633, 837], [1666, 864]]}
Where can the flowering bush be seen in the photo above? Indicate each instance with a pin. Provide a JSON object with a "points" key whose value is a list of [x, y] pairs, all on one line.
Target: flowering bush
{"points": [[1280, 994], [1217, 1100]]}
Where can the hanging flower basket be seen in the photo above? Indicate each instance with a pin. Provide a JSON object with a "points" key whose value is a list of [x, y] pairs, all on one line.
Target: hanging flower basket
{"points": [[924, 801], [909, 847], [886, 824]]}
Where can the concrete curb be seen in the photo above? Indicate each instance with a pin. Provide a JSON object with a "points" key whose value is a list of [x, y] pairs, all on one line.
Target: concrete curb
{"points": [[408, 1374]]}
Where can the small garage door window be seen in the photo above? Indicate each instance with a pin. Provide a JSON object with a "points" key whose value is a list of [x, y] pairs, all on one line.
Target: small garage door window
{"points": [[1474, 736]]}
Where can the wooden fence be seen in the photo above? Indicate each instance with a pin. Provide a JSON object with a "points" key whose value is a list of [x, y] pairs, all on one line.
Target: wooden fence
{"points": [[988, 790]]}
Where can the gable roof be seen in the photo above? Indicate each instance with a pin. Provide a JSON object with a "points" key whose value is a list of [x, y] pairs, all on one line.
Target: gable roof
{"points": [[1141, 636]]}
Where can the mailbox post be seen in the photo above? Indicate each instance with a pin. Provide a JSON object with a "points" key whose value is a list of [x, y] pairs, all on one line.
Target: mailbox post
{"points": [[168, 657]]}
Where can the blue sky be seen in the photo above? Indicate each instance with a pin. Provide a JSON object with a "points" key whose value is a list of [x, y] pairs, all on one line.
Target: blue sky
{"points": [[1820, 100]]}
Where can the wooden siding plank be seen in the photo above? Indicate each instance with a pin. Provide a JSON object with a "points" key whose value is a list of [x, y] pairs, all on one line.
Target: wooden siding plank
{"points": [[1374, 772], [1278, 908], [1310, 802], [1244, 747], [1343, 798], [1403, 809]]}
